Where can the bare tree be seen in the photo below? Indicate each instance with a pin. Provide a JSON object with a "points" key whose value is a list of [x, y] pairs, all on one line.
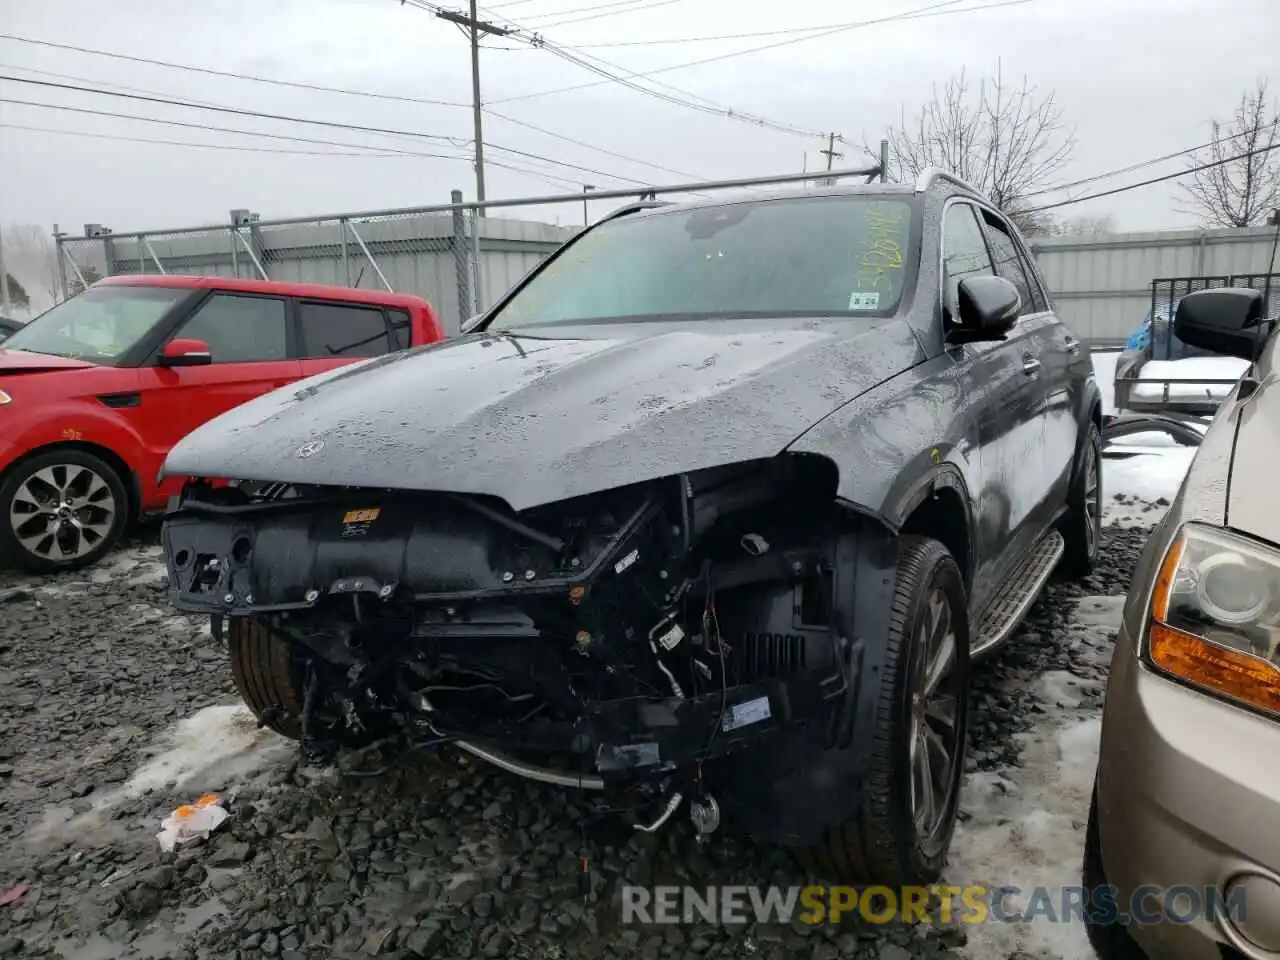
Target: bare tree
{"points": [[31, 257], [1081, 226], [1004, 140], [1242, 186]]}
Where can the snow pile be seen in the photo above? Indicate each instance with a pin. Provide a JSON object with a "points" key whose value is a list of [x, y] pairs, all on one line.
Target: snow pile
{"points": [[1024, 826]]}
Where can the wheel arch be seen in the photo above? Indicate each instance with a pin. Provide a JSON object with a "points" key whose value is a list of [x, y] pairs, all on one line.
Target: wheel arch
{"points": [[937, 505], [116, 462]]}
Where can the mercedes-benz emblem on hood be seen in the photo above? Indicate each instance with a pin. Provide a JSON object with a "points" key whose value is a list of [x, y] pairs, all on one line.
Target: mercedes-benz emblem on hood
{"points": [[309, 449]]}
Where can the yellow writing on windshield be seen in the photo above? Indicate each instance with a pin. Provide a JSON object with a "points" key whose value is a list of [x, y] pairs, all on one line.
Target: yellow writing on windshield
{"points": [[880, 260]]}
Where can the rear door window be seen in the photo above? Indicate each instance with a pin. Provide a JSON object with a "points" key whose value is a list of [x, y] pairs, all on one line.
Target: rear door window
{"points": [[343, 330]]}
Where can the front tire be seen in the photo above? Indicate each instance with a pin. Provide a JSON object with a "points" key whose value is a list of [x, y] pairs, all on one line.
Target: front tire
{"points": [[266, 675], [907, 817], [61, 510]]}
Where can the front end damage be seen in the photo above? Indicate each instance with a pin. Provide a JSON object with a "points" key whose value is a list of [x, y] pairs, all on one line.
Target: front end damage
{"points": [[625, 638]]}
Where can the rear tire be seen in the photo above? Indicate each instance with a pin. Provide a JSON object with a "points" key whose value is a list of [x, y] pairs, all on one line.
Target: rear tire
{"points": [[888, 841], [1081, 526], [81, 493], [266, 675]]}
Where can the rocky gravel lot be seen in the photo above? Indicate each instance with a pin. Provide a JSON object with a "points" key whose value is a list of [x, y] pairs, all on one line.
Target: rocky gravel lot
{"points": [[113, 711]]}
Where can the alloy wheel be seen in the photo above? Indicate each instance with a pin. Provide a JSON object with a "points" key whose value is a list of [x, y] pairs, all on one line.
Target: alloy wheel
{"points": [[1092, 497], [934, 727], [62, 512]]}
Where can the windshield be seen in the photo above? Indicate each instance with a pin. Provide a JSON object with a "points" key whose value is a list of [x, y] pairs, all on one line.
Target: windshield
{"points": [[99, 325], [805, 256]]}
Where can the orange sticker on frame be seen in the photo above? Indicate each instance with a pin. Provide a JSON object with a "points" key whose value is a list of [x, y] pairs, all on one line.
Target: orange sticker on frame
{"points": [[362, 516]]}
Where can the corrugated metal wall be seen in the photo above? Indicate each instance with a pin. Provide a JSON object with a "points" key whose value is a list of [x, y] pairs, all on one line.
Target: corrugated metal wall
{"points": [[1102, 285]]}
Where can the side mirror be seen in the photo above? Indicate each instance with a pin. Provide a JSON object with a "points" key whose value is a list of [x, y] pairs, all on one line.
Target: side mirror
{"points": [[988, 308], [185, 352], [471, 323], [1224, 321]]}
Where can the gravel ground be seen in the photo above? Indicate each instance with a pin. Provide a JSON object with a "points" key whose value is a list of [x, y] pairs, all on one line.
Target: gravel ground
{"points": [[113, 711]]}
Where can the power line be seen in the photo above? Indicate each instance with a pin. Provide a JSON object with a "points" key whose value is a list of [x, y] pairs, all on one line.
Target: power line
{"points": [[384, 154], [236, 111], [358, 128], [750, 35], [607, 13], [1146, 183], [936, 9], [286, 83], [598, 8], [581, 143], [298, 85], [232, 130], [1084, 181], [215, 146], [682, 98]]}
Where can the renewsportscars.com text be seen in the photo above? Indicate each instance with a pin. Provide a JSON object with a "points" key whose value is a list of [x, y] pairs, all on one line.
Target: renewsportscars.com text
{"points": [[933, 904]]}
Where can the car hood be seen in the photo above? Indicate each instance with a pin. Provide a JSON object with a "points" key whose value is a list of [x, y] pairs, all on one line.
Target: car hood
{"points": [[534, 419], [20, 361], [1252, 507]]}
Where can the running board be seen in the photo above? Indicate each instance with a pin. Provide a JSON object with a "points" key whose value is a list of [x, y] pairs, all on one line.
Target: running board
{"points": [[1021, 587]]}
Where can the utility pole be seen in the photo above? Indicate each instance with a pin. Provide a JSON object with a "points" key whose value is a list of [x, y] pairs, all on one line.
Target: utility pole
{"points": [[831, 154], [476, 27], [586, 188]]}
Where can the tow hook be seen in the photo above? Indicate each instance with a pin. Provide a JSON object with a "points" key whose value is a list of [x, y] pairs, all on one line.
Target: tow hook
{"points": [[705, 814]]}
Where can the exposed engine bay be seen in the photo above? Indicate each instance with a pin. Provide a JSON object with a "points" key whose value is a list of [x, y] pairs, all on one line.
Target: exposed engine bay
{"points": [[621, 638]]}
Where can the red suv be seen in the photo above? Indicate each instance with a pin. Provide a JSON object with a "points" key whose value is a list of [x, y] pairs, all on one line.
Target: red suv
{"points": [[95, 392]]}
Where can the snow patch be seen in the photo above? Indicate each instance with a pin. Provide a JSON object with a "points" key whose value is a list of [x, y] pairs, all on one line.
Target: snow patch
{"points": [[1023, 826], [210, 750], [1104, 368], [213, 750]]}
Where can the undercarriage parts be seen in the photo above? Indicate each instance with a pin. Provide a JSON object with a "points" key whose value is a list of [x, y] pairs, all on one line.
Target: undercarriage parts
{"points": [[630, 635]]}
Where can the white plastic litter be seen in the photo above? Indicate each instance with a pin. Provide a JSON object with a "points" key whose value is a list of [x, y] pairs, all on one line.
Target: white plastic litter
{"points": [[191, 821]]}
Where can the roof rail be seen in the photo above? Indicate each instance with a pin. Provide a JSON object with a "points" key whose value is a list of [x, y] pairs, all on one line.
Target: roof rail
{"points": [[931, 174]]}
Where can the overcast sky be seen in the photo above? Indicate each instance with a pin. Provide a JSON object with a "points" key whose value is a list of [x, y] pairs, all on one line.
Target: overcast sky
{"points": [[1136, 78]]}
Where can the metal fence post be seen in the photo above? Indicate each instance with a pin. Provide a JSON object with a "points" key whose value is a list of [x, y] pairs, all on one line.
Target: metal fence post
{"points": [[61, 264], [460, 257], [109, 254], [346, 255], [476, 290]]}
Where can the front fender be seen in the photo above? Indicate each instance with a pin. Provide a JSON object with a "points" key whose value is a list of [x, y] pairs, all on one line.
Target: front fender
{"points": [[72, 421], [893, 444]]}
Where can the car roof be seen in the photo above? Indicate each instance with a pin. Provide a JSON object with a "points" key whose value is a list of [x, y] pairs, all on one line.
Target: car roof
{"points": [[287, 288]]}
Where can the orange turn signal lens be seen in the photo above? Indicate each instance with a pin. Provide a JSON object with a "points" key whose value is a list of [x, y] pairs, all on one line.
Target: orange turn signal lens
{"points": [[1233, 674]]}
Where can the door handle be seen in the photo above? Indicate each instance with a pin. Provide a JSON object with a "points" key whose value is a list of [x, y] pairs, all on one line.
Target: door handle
{"points": [[1030, 365]]}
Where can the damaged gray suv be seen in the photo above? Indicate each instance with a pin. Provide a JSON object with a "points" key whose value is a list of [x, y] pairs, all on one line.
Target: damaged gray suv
{"points": [[713, 510]]}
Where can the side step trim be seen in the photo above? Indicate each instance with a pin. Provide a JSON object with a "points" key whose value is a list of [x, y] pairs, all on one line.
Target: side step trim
{"points": [[1010, 605]]}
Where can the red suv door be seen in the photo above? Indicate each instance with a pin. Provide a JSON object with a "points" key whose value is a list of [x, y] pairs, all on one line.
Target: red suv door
{"points": [[248, 337], [333, 333]]}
